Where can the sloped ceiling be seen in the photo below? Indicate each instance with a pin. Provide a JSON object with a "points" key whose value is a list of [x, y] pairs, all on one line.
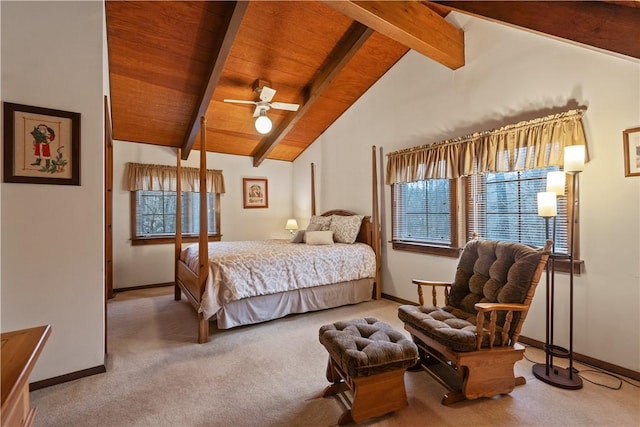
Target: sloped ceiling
{"points": [[173, 62]]}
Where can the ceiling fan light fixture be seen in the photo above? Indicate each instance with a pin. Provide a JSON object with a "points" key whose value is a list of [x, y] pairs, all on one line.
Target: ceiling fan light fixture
{"points": [[263, 123]]}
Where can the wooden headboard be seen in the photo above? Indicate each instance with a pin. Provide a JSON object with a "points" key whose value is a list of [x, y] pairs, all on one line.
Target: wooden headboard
{"points": [[366, 230]]}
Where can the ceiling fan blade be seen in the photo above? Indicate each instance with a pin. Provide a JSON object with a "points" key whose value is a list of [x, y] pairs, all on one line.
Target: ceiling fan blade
{"points": [[284, 106], [266, 93], [239, 101]]}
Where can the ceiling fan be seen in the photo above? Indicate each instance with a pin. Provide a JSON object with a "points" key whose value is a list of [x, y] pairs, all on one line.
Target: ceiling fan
{"points": [[263, 123]]}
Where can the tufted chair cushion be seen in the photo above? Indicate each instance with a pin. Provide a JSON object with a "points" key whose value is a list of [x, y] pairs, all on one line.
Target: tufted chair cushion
{"points": [[488, 271], [456, 332], [364, 347]]}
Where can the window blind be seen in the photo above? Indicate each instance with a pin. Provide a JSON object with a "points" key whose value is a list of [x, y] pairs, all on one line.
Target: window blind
{"points": [[503, 206], [422, 212], [156, 213]]}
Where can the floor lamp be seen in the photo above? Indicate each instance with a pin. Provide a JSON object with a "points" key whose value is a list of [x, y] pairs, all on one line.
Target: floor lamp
{"points": [[561, 377]]}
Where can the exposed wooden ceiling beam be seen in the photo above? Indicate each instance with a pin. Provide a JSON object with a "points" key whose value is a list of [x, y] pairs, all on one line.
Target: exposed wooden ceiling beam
{"points": [[437, 8], [219, 57], [355, 37], [611, 26], [412, 24]]}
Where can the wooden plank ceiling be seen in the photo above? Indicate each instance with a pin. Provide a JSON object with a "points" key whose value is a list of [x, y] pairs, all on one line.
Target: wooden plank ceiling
{"points": [[172, 62]]}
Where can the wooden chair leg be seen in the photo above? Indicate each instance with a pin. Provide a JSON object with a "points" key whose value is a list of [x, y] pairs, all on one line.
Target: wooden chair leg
{"points": [[452, 397], [335, 388], [490, 374], [333, 376], [345, 418]]}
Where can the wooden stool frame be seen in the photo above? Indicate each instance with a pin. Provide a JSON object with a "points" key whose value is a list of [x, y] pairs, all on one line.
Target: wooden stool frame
{"points": [[373, 395]]}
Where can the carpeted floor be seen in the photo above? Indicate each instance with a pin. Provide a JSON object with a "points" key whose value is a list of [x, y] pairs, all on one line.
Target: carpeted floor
{"points": [[272, 374]]}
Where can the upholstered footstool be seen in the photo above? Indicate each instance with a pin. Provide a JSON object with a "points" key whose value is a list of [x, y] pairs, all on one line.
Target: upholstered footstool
{"points": [[369, 358]]}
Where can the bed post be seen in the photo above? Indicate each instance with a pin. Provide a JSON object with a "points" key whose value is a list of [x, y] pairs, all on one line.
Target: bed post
{"points": [[375, 216], [178, 241], [203, 252], [313, 189]]}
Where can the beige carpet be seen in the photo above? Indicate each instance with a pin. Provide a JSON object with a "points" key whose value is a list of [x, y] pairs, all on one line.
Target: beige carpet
{"points": [[271, 375]]}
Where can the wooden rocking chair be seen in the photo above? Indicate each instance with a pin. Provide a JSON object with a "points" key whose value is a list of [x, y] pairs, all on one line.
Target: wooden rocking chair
{"points": [[469, 354]]}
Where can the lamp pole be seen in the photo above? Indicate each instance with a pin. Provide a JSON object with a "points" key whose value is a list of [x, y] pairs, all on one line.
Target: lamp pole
{"points": [[547, 209], [563, 378], [574, 181]]}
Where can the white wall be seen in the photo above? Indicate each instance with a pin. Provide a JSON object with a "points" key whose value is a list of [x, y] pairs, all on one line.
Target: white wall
{"points": [[152, 264], [52, 235], [510, 75]]}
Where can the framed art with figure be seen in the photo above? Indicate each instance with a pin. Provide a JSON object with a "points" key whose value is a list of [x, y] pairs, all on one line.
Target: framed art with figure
{"points": [[255, 193], [631, 141], [41, 145]]}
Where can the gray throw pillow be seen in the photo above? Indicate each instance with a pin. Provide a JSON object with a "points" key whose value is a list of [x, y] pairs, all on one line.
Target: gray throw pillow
{"points": [[298, 237]]}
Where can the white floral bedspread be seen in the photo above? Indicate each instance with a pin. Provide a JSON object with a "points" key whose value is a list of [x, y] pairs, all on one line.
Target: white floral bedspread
{"points": [[244, 269]]}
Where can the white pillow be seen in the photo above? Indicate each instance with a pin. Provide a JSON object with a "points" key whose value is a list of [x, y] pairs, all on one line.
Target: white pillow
{"points": [[345, 228], [319, 237]]}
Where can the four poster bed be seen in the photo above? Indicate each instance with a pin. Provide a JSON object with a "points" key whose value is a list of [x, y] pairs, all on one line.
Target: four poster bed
{"points": [[246, 282]]}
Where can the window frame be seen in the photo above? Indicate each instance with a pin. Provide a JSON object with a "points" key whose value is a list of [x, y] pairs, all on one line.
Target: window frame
{"points": [[453, 250], [458, 222], [166, 239]]}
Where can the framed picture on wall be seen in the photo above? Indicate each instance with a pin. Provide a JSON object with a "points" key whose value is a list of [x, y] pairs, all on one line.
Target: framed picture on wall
{"points": [[41, 145], [255, 193], [631, 141]]}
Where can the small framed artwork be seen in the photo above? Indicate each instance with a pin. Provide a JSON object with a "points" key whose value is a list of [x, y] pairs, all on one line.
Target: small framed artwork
{"points": [[631, 142], [255, 193], [41, 145]]}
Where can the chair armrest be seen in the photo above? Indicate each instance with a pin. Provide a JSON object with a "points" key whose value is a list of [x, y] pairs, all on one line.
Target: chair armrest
{"points": [[493, 308], [430, 283], [434, 294]]}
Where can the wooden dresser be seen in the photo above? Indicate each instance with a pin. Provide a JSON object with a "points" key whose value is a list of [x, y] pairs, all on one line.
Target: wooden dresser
{"points": [[18, 355]]}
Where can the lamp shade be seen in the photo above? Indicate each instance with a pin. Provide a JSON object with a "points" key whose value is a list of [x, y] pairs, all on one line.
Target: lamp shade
{"points": [[547, 204], [556, 181], [292, 224], [574, 158], [263, 123]]}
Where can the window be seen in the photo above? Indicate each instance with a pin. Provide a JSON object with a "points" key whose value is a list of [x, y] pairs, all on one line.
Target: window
{"points": [[503, 206], [154, 216], [497, 206], [508, 166], [424, 215]]}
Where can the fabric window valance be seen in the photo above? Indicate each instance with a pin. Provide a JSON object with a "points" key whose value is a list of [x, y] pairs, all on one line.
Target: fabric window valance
{"points": [[529, 144], [140, 176]]}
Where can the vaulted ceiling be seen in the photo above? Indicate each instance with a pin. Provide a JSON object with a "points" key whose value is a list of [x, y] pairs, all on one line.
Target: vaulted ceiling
{"points": [[173, 62]]}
